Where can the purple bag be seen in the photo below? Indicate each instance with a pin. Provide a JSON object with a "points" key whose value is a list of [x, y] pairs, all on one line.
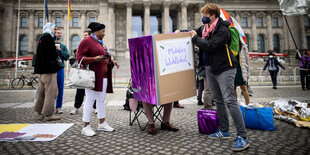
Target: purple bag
{"points": [[208, 121]]}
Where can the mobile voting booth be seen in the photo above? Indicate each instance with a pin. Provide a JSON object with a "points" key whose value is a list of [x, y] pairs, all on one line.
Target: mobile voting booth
{"points": [[162, 68]]}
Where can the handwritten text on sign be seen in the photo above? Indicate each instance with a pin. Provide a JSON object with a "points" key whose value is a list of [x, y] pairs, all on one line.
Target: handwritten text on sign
{"points": [[174, 55]]}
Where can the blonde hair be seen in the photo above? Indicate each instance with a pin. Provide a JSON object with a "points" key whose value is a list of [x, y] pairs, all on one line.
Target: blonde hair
{"points": [[212, 9]]}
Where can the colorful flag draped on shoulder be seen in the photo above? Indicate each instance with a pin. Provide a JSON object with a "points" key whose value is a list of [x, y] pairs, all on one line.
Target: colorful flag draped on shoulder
{"points": [[46, 10], [233, 22], [69, 10], [293, 7]]}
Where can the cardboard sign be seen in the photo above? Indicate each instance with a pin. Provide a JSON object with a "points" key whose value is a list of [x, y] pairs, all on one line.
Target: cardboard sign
{"points": [[174, 55]]}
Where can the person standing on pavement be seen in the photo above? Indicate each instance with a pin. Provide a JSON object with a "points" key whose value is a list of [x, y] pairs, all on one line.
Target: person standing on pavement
{"points": [[80, 93], [304, 69], [273, 67], [46, 66], [213, 38], [92, 52], [63, 55]]}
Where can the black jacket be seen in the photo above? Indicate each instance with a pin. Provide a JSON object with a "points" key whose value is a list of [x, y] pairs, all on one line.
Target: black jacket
{"points": [[220, 56], [275, 62], [46, 56]]}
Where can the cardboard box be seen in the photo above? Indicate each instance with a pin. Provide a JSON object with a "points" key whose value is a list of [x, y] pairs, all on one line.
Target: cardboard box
{"points": [[162, 68]]}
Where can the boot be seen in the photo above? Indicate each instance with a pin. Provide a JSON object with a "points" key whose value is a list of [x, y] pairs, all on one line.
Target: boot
{"points": [[168, 126], [199, 102], [151, 129]]}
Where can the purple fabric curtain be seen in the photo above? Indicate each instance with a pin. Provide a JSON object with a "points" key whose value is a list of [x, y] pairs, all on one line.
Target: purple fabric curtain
{"points": [[142, 69]]}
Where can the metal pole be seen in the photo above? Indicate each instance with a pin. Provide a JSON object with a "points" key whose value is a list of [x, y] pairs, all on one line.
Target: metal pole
{"points": [[44, 12], [290, 32], [17, 38], [68, 26]]}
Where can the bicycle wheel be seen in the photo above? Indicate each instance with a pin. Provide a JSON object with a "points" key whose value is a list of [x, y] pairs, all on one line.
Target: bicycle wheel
{"points": [[34, 83], [18, 83]]}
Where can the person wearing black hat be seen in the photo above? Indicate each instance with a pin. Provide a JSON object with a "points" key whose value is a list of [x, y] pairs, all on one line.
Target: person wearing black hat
{"points": [[273, 67], [95, 54]]}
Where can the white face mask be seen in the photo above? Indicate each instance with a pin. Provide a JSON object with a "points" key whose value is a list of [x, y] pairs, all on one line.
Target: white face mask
{"points": [[270, 56]]}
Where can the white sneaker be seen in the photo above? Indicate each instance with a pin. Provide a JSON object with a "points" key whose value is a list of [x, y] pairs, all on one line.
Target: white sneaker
{"points": [[105, 127], [74, 111], [95, 111], [88, 131]]}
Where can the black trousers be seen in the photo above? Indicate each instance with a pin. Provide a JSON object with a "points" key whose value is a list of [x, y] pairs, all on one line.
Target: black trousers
{"points": [[305, 76], [79, 98], [274, 75]]}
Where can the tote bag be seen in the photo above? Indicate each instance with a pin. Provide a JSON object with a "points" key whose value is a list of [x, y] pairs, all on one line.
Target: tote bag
{"points": [[258, 118]]}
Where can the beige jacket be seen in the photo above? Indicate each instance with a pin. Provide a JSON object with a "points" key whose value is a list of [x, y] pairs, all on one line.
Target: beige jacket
{"points": [[245, 62]]}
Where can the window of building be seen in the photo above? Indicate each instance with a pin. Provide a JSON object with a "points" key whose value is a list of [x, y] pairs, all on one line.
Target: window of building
{"points": [[40, 22], [75, 41], [276, 43], [23, 45], [244, 21], [75, 22], [260, 22], [92, 19], [170, 24], [58, 21], [275, 22], [260, 43], [306, 21], [136, 26], [23, 22], [154, 25]]}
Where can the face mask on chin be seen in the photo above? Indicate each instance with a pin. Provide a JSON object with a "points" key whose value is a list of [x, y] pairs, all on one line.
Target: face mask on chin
{"points": [[270, 56]]}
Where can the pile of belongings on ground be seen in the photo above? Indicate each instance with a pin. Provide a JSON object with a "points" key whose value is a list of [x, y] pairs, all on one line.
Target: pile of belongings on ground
{"points": [[292, 111]]}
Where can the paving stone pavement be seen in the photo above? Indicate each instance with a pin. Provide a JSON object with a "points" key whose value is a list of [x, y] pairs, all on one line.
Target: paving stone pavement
{"points": [[16, 107]]}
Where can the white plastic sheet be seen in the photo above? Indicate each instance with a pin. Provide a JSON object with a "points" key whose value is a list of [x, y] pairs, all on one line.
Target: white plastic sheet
{"points": [[293, 7]]}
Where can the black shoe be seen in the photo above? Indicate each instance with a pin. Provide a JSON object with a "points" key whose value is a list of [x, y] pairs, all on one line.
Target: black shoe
{"points": [[274, 87], [303, 89], [199, 102]]}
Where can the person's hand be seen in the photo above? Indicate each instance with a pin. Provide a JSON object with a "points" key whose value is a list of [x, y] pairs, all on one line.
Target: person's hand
{"points": [[58, 47], [297, 50], [177, 31], [193, 33], [116, 64], [99, 58]]}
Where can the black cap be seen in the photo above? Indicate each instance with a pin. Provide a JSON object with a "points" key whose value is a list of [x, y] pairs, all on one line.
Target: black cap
{"points": [[94, 26]]}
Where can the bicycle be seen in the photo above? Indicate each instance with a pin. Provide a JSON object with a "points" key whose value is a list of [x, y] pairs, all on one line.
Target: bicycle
{"points": [[19, 82]]}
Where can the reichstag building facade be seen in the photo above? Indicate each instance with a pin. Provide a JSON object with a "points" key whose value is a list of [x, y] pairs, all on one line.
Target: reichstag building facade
{"points": [[261, 20]]}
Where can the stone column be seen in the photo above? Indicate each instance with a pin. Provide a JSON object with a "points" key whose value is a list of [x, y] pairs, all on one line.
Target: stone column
{"points": [[111, 28], [83, 21], [253, 31], [165, 23], [269, 32], [7, 29], [184, 15], [286, 34], [31, 33], [147, 30], [102, 17], [303, 40], [238, 18], [198, 15], [129, 26]]}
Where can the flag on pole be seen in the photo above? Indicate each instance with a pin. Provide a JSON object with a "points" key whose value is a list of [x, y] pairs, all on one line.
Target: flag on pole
{"points": [[293, 7], [69, 10], [46, 10]]}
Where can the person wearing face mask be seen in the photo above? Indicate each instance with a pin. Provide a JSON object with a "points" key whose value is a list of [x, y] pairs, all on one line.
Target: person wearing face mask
{"points": [[273, 67], [304, 69], [213, 38]]}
